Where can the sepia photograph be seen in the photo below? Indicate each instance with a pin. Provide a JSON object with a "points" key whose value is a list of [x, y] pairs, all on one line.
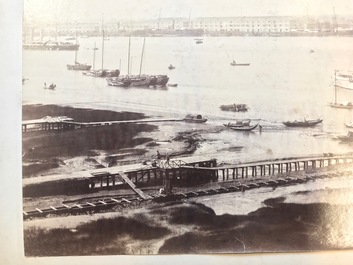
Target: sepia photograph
{"points": [[186, 127]]}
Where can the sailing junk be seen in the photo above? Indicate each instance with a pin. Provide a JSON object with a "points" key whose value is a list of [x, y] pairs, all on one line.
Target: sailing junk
{"points": [[138, 80], [344, 80], [78, 66], [102, 72]]}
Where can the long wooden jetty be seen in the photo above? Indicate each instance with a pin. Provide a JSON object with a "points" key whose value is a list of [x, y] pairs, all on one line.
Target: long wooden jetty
{"points": [[190, 170], [64, 123], [178, 172]]}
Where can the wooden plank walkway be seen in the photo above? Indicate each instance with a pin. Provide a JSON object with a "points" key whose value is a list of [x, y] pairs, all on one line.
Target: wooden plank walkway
{"points": [[133, 186], [102, 123]]}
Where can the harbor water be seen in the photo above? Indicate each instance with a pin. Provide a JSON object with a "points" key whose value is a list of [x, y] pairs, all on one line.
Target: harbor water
{"points": [[286, 80]]}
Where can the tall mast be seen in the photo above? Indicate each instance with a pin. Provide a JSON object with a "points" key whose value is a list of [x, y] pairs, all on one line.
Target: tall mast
{"points": [[128, 58], [159, 17], [102, 44], [76, 49], [94, 54], [334, 20], [131, 64], [190, 19], [143, 49], [335, 86]]}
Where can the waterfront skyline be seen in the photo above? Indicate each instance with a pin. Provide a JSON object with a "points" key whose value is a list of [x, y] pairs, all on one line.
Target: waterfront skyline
{"points": [[112, 10]]}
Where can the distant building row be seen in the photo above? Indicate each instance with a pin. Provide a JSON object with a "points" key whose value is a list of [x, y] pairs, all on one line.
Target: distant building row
{"points": [[251, 25]]}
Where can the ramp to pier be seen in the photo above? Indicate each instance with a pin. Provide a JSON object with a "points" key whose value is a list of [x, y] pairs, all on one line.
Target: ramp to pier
{"points": [[133, 186]]}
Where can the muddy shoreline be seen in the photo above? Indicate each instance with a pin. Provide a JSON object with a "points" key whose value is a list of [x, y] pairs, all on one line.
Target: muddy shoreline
{"points": [[90, 148], [182, 227]]}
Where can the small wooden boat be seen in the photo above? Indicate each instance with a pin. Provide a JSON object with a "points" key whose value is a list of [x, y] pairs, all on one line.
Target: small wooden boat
{"points": [[241, 125], [239, 64], [199, 41], [78, 66], [346, 138], [349, 125], [171, 67], [173, 85], [348, 105], [305, 123], [52, 86], [234, 107], [195, 118]]}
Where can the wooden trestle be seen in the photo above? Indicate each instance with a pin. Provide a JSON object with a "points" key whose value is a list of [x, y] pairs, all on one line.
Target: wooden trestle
{"points": [[177, 172]]}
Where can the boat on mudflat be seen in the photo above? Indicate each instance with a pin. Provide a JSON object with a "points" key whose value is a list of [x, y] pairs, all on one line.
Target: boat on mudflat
{"points": [[195, 118], [234, 107], [305, 123], [173, 85], [171, 67], [241, 125]]}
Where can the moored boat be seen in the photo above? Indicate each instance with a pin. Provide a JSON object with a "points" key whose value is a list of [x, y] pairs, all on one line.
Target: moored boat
{"points": [[305, 123], [349, 125], [51, 46], [138, 80], [335, 103], [171, 67], [234, 107], [78, 67], [195, 118], [118, 81], [103, 73], [241, 125], [239, 64], [173, 85], [51, 86]]}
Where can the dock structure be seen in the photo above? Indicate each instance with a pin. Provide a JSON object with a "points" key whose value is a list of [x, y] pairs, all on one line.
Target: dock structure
{"points": [[280, 166], [189, 171], [176, 172], [64, 123]]}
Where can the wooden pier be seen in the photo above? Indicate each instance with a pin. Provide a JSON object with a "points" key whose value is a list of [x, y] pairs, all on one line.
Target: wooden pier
{"points": [[186, 172], [64, 123], [270, 168], [177, 172]]}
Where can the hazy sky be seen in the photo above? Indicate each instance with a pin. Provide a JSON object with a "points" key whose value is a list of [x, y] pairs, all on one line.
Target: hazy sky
{"points": [[92, 10]]}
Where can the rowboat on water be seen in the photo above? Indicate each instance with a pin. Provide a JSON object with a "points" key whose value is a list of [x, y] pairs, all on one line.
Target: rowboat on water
{"points": [[195, 118], [305, 123], [241, 125], [239, 64], [234, 107]]}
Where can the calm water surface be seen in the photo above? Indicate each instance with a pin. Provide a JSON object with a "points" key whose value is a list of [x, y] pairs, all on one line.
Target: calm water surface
{"points": [[284, 82]]}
